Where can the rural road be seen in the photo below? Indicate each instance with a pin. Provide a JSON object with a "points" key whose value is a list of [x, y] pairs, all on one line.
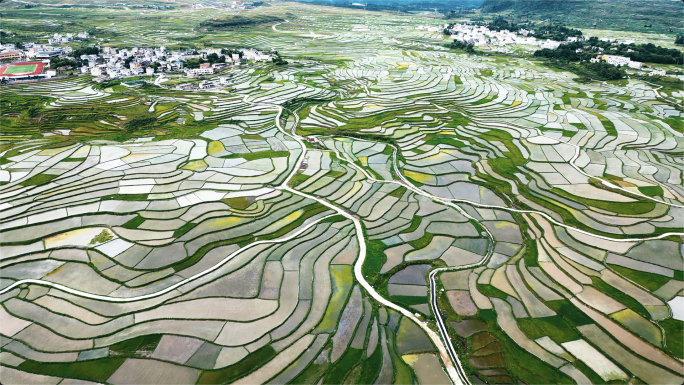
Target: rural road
{"points": [[442, 342]]}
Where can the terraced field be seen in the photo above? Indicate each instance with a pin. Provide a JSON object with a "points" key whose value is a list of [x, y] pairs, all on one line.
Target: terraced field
{"points": [[460, 219]]}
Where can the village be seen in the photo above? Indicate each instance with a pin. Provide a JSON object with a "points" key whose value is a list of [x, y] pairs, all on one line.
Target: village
{"points": [[108, 63], [482, 36], [114, 63]]}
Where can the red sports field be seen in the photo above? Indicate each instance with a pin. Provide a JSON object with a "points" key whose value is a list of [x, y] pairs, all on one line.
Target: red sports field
{"points": [[21, 69]]}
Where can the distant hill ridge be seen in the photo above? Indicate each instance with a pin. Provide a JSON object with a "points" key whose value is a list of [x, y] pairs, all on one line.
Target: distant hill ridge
{"points": [[654, 16], [494, 6]]}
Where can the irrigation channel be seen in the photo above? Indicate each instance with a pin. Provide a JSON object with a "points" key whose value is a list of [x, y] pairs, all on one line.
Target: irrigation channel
{"points": [[441, 338]]}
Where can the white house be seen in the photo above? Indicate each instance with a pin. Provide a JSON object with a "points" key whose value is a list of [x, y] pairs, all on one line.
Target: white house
{"points": [[192, 72], [616, 60], [46, 54], [550, 44], [206, 84]]}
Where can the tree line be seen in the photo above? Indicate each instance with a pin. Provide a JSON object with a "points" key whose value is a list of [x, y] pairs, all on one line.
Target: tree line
{"points": [[646, 53], [553, 31]]}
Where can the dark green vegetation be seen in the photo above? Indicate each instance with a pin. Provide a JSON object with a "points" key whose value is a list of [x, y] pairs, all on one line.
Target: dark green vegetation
{"points": [[38, 180], [509, 165], [649, 281], [100, 369], [259, 155], [658, 16], [58, 62], [239, 369], [553, 31], [370, 368], [28, 116], [621, 297], [645, 53], [140, 122], [279, 61], [493, 6], [239, 203], [125, 197], [492, 348], [93, 370], [184, 229], [104, 236], [77, 53], [674, 329], [375, 259], [29, 106], [457, 44], [652, 191], [245, 240], [556, 327], [588, 71], [297, 179], [340, 369], [491, 291], [641, 207], [211, 59], [238, 21], [134, 223], [354, 367], [136, 347], [569, 312]]}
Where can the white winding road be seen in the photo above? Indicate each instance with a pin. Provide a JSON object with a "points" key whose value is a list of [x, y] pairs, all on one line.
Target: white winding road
{"points": [[277, 24]]}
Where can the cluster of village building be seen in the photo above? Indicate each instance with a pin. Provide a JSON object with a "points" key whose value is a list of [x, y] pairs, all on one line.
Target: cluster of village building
{"points": [[111, 63], [235, 4], [35, 51], [58, 38], [116, 63], [479, 35]]}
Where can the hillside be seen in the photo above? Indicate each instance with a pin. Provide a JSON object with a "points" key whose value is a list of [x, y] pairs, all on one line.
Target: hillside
{"points": [[659, 16]]}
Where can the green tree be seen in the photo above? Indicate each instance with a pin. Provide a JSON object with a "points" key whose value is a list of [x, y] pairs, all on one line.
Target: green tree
{"points": [[34, 110], [140, 122], [84, 51]]}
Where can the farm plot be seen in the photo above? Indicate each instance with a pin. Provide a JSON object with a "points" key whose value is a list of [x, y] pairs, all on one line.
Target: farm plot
{"points": [[158, 235]]}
